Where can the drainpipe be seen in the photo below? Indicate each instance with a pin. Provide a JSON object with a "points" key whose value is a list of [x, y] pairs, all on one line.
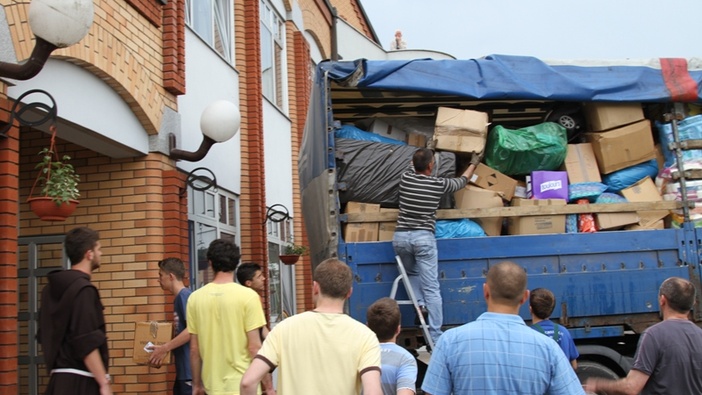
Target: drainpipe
{"points": [[334, 38]]}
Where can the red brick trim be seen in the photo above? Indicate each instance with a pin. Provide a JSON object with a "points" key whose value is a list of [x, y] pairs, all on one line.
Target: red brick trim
{"points": [[174, 47], [150, 9], [9, 225]]}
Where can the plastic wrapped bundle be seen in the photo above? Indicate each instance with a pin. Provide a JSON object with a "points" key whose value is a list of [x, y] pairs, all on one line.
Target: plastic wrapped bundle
{"points": [[370, 172], [452, 229], [689, 128], [521, 151], [624, 178], [585, 190]]}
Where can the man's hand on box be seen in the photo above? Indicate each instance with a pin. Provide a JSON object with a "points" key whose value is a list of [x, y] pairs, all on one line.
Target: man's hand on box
{"points": [[158, 353], [476, 158]]}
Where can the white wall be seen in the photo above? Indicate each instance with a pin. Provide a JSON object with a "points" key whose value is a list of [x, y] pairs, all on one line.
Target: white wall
{"points": [[208, 78], [354, 45], [278, 158], [94, 115]]}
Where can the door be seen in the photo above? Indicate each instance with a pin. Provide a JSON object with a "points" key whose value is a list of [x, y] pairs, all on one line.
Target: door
{"points": [[38, 255]]}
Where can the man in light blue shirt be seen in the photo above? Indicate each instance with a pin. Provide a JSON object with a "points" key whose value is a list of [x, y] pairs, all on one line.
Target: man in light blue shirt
{"points": [[498, 353], [398, 366]]}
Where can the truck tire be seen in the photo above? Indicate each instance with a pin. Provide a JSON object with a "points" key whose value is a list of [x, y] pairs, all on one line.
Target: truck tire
{"points": [[592, 369]]}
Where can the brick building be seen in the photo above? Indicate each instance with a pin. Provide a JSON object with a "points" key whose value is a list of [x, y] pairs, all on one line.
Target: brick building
{"points": [[147, 69]]}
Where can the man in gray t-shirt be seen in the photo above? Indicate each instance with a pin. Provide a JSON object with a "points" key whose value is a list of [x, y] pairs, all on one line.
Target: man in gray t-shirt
{"points": [[669, 355]]}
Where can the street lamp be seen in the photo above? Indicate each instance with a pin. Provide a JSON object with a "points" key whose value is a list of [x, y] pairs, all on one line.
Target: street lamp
{"points": [[55, 24], [219, 122]]}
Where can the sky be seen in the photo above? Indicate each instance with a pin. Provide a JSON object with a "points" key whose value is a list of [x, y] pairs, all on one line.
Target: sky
{"points": [[548, 29]]}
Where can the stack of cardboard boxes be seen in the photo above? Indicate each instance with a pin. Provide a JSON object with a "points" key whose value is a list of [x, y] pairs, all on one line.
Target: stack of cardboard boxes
{"points": [[619, 137]]}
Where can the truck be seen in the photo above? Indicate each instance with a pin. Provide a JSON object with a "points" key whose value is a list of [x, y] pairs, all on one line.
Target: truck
{"points": [[606, 283]]}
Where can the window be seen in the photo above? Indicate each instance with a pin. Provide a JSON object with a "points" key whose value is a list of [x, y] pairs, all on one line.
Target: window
{"points": [[212, 21], [212, 214], [280, 277], [272, 41]]}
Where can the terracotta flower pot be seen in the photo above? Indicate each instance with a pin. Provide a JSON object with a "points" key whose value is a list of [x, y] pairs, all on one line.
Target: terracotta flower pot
{"points": [[289, 259], [47, 210]]}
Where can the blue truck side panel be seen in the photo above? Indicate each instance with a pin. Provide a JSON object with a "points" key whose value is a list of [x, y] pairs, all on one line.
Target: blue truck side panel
{"points": [[596, 274]]}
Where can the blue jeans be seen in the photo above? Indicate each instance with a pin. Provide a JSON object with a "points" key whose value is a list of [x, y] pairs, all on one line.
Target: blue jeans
{"points": [[183, 387], [417, 249]]}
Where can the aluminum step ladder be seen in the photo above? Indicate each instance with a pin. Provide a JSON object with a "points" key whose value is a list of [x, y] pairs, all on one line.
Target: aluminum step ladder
{"points": [[412, 300]]}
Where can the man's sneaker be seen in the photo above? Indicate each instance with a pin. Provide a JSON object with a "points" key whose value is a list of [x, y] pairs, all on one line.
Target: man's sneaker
{"points": [[425, 313]]}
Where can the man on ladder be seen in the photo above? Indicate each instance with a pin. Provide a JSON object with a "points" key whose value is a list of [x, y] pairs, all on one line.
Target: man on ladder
{"points": [[414, 241]]}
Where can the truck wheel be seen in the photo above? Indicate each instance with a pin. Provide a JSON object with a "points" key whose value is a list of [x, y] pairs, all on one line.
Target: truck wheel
{"points": [[588, 369]]}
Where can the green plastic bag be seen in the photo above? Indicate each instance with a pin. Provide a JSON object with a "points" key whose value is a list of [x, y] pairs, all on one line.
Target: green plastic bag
{"points": [[521, 151]]}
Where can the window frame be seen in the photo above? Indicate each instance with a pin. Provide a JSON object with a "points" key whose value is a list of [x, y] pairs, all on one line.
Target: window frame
{"points": [[220, 36], [273, 34]]}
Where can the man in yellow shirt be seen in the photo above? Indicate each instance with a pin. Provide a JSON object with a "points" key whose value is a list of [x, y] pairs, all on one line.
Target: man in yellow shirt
{"points": [[223, 320], [323, 351]]}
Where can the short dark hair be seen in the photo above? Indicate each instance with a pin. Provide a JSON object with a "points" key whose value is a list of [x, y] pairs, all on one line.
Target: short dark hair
{"points": [[224, 255], [334, 278], [679, 293], [79, 241], [422, 158], [542, 302], [507, 282], [173, 266], [383, 318], [247, 271]]}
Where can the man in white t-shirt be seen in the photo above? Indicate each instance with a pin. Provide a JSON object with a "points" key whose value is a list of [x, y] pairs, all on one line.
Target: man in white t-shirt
{"points": [[323, 351]]}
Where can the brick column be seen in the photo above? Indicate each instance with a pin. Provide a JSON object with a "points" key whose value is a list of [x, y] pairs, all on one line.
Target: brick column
{"points": [[254, 237], [300, 86], [9, 209]]}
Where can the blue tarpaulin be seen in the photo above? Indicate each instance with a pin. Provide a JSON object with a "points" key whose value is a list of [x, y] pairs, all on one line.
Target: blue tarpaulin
{"points": [[527, 78]]}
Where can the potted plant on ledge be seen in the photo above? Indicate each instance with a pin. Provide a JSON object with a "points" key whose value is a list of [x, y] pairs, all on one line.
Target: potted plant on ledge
{"points": [[291, 253], [59, 187]]}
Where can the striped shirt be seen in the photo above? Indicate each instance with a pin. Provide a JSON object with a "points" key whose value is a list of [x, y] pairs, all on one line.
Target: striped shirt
{"points": [[419, 198]]}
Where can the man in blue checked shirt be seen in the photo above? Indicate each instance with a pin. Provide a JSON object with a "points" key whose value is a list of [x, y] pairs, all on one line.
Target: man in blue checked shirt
{"points": [[498, 353]]}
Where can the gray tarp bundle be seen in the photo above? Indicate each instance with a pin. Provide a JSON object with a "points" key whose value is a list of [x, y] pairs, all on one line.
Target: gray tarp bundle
{"points": [[370, 172]]}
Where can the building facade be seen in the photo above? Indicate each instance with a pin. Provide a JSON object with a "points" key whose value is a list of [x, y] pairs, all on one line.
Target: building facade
{"points": [[146, 70]]}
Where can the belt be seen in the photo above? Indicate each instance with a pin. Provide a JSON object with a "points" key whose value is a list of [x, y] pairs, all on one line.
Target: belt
{"points": [[78, 372]]}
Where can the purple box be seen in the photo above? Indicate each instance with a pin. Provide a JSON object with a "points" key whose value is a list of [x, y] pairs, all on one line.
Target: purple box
{"points": [[549, 185]]}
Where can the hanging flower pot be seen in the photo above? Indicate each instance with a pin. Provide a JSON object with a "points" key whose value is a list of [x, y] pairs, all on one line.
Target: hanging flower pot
{"points": [[289, 259], [48, 210], [291, 253], [59, 185]]}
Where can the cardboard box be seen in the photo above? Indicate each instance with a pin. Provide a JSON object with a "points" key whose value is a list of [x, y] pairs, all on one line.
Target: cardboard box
{"points": [[158, 333], [474, 197], [605, 116], [623, 147], [460, 130], [386, 230], [605, 221], [581, 164], [539, 224], [660, 224], [645, 191], [547, 185], [417, 140], [361, 231], [489, 178], [382, 128]]}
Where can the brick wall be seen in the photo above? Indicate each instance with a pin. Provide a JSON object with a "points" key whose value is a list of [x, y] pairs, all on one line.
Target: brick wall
{"points": [[123, 48], [136, 206], [253, 187], [9, 196]]}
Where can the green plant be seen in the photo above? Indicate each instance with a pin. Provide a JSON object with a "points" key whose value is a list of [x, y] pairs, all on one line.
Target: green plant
{"points": [[57, 178], [294, 249]]}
